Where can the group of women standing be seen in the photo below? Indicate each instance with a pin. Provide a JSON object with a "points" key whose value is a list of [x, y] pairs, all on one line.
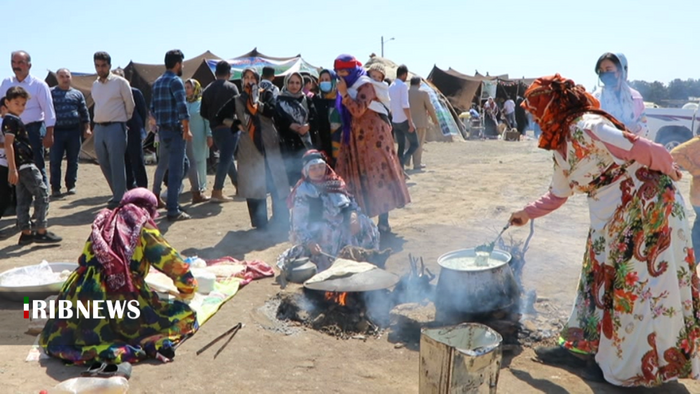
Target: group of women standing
{"points": [[342, 124]]}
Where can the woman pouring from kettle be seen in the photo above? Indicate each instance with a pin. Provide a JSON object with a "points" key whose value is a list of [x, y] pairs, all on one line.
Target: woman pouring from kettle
{"points": [[636, 318]]}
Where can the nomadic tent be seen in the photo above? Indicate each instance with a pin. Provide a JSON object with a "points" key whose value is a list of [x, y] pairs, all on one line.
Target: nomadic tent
{"points": [[449, 126], [142, 75], [254, 59], [462, 90]]}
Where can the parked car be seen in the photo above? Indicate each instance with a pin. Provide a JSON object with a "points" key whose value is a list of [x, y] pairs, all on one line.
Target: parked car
{"points": [[671, 127]]}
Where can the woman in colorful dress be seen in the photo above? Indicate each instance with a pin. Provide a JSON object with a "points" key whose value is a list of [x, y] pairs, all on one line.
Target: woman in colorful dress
{"points": [[198, 146], [260, 166], [367, 160], [123, 246], [617, 97], [635, 320], [325, 217], [328, 119]]}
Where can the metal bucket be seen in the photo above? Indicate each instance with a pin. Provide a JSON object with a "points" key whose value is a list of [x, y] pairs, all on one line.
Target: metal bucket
{"points": [[460, 359]]}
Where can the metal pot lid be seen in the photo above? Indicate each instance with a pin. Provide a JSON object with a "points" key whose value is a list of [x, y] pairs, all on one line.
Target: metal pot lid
{"points": [[376, 279], [500, 255]]}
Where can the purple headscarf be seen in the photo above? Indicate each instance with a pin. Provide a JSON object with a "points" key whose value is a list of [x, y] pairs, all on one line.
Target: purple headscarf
{"points": [[115, 235], [347, 62]]}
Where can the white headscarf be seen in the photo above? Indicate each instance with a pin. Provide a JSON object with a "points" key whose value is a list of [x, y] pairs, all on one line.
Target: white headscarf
{"points": [[623, 104]]}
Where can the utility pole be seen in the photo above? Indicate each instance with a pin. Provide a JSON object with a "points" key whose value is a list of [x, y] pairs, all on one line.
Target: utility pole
{"points": [[391, 39]]}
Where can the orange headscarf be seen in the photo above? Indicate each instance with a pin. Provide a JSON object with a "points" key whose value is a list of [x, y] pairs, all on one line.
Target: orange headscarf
{"points": [[555, 102]]}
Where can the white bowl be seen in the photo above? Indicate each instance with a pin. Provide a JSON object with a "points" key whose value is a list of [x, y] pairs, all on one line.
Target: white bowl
{"points": [[37, 291]]}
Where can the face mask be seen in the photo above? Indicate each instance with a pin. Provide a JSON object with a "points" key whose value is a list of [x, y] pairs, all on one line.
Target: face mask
{"points": [[326, 86], [608, 78]]}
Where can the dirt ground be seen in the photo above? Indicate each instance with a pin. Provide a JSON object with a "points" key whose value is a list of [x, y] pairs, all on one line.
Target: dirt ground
{"points": [[462, 199]]}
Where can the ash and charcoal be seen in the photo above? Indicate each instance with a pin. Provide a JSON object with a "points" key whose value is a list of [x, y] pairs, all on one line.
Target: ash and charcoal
{"points": [[364, 315], [409, 308]]}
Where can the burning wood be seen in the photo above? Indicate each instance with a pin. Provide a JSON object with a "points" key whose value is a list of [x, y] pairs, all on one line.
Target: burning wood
{"points": [[336, 298], [354, 315]]}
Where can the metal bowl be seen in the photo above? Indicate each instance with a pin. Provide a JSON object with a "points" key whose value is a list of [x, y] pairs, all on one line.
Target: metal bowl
{"points": [[36, 292]]}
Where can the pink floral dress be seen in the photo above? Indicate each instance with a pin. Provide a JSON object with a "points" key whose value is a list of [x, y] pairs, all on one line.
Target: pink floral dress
{"points": [[638, 304]]}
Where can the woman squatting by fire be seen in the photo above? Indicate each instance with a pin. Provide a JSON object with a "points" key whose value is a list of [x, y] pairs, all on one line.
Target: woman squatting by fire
{"points": [[325, 217], [636, 318]]}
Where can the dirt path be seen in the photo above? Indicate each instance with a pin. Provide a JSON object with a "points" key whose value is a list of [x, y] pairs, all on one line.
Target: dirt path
{"points": [[462, 200]]}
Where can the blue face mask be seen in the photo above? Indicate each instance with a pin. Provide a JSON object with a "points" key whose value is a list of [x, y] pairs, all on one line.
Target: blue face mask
{"points": [[608, 78], [325, 86]]}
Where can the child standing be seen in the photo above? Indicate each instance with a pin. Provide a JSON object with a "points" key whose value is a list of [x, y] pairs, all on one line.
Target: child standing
{"points": [[23, 173]]}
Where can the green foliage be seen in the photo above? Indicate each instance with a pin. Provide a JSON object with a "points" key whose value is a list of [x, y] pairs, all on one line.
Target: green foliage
{"points": [[675, 90]]}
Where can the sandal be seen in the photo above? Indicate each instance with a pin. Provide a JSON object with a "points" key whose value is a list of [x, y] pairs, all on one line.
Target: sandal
{"points": [[557, 355], [384, 228], [104, 370]]}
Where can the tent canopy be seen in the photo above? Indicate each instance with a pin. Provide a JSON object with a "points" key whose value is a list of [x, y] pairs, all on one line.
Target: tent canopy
{"points": [[142, 76], [254, 59], [461, 89]]}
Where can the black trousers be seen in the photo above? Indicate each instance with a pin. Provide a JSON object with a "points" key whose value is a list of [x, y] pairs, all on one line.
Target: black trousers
{"points": [[134, 163], [402, 134], [7, 194], [257, 208]]}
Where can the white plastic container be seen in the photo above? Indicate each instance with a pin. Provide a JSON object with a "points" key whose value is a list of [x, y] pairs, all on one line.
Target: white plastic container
{"points": [[113, 385]]}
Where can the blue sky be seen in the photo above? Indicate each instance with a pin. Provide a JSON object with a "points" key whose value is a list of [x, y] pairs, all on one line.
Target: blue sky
{"points": [[520, 38]]}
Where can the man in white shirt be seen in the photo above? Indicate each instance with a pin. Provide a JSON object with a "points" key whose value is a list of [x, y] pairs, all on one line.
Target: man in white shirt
{"points": [[401, 116], [509, 110], [114, 106], [38, 117]]}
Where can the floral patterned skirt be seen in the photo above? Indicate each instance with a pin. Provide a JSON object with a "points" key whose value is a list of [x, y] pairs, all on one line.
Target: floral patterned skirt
{"points": [[638, 303]]}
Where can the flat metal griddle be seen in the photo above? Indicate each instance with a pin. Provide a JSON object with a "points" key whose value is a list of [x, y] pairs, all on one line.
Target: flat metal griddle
{"points": [[376, 279]]}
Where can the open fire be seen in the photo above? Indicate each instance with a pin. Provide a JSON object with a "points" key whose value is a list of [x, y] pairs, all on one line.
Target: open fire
{"points": [[337, 298]]}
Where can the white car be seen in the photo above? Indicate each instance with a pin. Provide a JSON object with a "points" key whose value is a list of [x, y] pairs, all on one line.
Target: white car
{"points": [[671, 127]]}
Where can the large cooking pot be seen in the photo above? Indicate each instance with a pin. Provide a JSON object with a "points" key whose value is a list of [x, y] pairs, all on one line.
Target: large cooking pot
{"points": [[468, 289]]}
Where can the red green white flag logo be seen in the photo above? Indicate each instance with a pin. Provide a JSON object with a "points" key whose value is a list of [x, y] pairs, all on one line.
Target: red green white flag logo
{"points": [[26, 307]]}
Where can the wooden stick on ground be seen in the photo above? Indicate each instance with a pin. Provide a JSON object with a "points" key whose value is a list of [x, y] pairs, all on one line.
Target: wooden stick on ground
{"points": [[220, 337], [229, 340]]}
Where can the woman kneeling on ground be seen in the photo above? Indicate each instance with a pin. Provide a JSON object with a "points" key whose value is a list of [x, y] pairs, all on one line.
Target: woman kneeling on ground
{"points": [[325, 217], [123, 246], [636, 318]]}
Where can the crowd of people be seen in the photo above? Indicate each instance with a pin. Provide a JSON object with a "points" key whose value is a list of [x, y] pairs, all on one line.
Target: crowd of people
{"points": [[368, 129], [327, 154]]}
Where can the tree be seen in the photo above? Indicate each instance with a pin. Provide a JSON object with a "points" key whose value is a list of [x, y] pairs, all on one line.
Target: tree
{"points": [[678, 90]]}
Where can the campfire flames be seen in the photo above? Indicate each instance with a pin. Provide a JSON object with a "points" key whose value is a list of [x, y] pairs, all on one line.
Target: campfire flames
{"points": [[338, 298]]}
